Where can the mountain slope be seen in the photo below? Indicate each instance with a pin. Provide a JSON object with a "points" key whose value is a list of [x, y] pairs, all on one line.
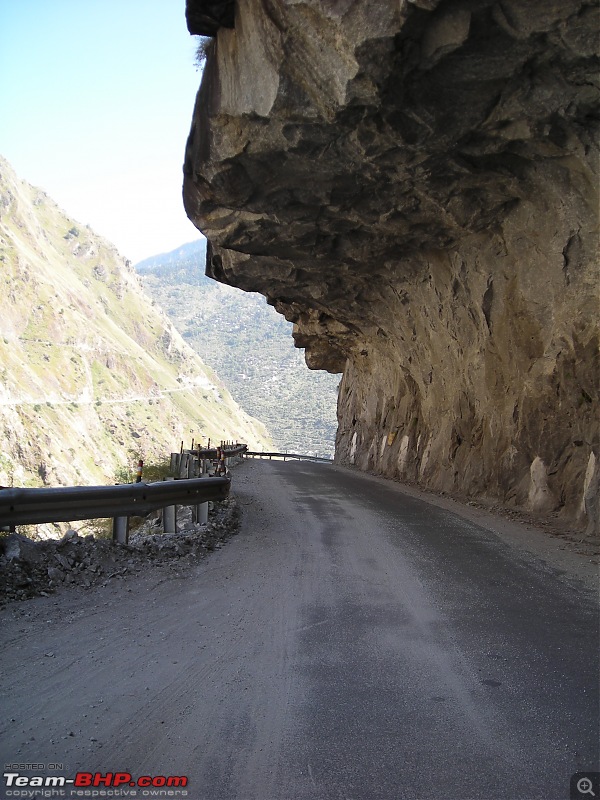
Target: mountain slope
{"points": [[250, 346], [92, 372]]}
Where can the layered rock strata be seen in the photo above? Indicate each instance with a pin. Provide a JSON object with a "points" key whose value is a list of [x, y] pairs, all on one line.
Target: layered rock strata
{"points": [[414, 185]]}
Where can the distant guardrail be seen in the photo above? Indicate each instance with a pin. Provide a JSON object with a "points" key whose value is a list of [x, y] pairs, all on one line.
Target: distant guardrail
{"points": [[284, 456], [198, 461]]}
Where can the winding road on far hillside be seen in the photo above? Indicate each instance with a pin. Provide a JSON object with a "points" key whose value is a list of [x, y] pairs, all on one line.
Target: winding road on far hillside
{"points": [[352, 642]]}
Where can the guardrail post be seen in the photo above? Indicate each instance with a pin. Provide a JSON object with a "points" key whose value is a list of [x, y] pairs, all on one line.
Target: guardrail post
{"points": [[202, 513], [170, 519], [120, 531], [183, 463], [170, 516]]}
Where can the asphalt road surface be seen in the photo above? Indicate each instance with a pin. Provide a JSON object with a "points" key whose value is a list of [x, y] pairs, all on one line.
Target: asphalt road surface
{"points": [[352, 642]]}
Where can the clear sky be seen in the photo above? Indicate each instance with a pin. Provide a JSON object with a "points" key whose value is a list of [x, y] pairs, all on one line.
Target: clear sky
{"points": [[96, 101]]}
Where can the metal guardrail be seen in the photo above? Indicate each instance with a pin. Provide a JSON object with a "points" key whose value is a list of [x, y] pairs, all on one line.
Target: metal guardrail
{"points": [[69, 503], [211, 452], [195, 462], [64, 504], [284, 456]]}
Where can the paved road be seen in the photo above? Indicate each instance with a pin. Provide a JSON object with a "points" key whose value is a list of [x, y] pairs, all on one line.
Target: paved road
{"points": [[352, 642]]}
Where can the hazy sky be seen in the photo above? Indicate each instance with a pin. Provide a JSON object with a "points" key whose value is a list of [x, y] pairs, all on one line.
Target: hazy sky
{"points": [[96, 101]]}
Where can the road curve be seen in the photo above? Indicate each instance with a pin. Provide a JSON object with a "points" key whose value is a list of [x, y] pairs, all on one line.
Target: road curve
{"points": [[351, 643]]}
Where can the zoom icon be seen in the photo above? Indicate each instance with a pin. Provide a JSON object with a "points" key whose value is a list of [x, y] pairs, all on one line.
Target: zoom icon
{"points": [[585, 785]]}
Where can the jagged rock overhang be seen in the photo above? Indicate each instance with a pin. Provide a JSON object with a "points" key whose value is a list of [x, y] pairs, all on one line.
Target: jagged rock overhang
{"points": [[414, 185], [429, 128], [205, 18]]}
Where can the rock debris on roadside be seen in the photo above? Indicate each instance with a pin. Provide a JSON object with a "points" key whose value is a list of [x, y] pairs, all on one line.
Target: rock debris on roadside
{"points": [[29, 568]]}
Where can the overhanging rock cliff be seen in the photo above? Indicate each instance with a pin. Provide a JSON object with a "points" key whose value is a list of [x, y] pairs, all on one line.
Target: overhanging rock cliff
{"points": [[413, 184]]}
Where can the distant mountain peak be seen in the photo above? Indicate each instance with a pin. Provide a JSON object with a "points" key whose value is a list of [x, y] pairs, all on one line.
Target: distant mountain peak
{"points": [[193, 252]]}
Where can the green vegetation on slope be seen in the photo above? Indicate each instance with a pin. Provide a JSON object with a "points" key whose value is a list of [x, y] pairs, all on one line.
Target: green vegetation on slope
{"points": [[250, 346], [92, 373]]}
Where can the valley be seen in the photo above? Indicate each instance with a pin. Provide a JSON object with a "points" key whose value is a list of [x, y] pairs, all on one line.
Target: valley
{"points": [[93, 376], [250, 346]]}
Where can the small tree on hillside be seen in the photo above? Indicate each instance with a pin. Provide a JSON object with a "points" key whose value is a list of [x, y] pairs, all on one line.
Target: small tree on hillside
{"points": [[203, 50]]}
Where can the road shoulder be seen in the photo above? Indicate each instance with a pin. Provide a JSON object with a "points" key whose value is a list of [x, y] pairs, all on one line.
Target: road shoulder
{"points": [[559, 549]]}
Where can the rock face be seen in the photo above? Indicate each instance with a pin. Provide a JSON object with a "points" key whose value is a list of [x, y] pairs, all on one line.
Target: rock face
{"points": [[413, 183]]}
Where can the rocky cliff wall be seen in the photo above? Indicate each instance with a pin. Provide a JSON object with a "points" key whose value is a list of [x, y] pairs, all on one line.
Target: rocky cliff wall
{"points": [[414, 184]]}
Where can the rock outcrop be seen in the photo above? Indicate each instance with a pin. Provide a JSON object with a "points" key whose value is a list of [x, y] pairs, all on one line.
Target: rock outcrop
{"points": [[413, 184]]}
